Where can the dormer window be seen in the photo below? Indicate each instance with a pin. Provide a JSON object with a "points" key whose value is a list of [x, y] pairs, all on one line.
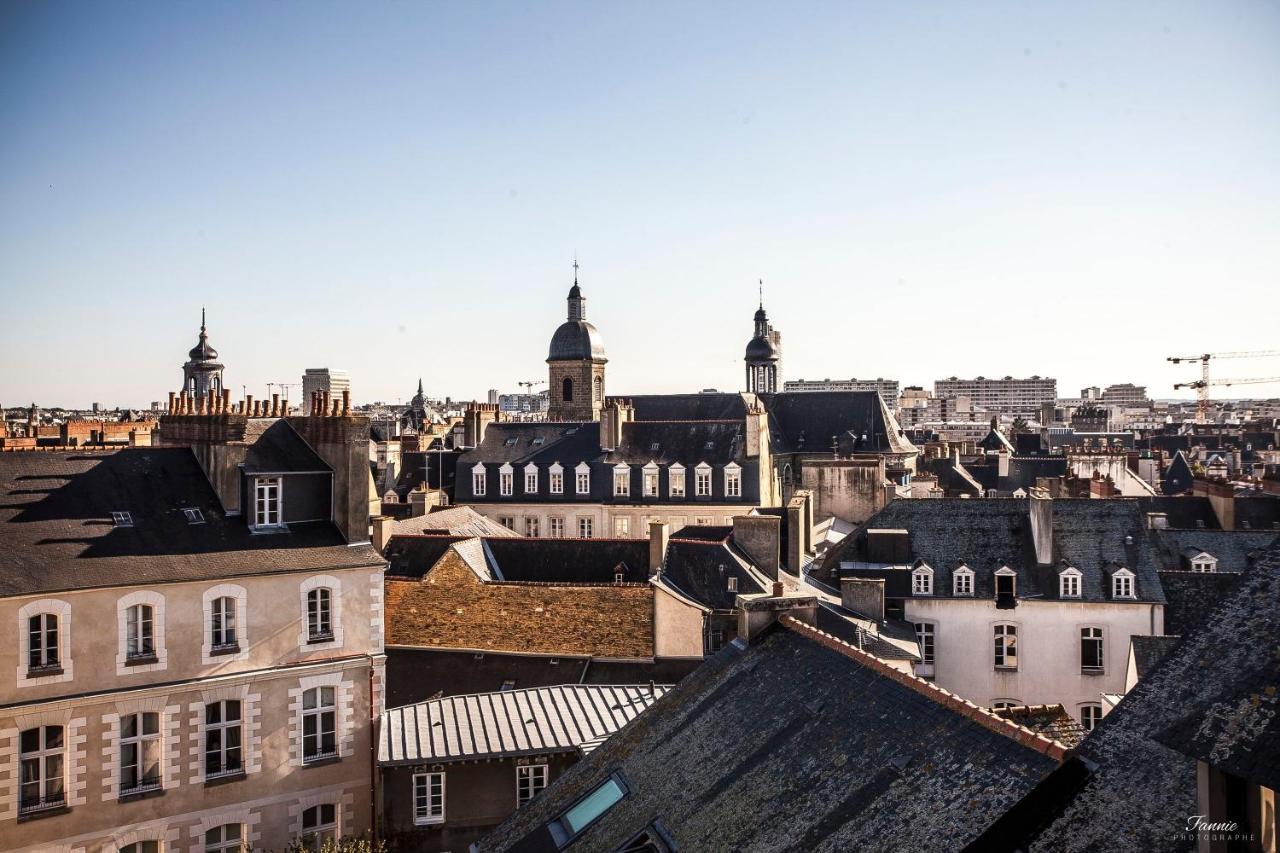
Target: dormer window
{"points": [[478, 484], [1204, 563], [962, 581], [530, 478], [122, 519], [675, 483], [702, 480], [732, 481], [922, 580], [621, 481], [1069, 583], [266, 502], [1006, 587], [1122, 584], [193, 515], [555, 476], [506, 480], [582, 477], [732, 584], [651, 480]]}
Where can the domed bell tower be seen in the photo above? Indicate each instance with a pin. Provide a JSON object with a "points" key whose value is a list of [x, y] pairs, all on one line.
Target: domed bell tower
{"points": [[575, 364], [202, 373], [764, 354]]}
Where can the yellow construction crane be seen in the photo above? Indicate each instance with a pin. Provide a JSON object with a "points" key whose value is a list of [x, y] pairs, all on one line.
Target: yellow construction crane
{"points": [[1203, 384]]}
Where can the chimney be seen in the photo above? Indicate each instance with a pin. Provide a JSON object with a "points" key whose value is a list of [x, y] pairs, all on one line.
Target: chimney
{"points": [[324, 403], [757, 612], [476, 422], [346, 402], [275, 405], [659, 538], [382, 527], [226, 401], [612, 416], [759, 538], [248, 406], [172, 403], [1222, 497], [793, 558], [1041, 514], [892, 546], [864, 596]]}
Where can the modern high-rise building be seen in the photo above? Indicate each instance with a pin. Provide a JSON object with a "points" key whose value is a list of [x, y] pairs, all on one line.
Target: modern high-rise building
{"points": [[325, 379], [1007, 396]]}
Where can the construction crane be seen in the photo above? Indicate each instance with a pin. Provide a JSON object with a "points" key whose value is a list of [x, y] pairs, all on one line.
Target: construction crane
{"points": [[1203, 384], [283, 386], [529, 386]]}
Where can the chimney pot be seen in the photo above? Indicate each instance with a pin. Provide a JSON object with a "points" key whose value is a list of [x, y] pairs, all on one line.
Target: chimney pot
{"points": [[346, 402]]}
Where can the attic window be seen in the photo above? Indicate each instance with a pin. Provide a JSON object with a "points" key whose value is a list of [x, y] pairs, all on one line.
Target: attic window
{"points": [[194, 516], [509, 684], [1204, 563], [710, 445], [570, 431], [510, 442], [653, 448], [963, 581], [652, 839], [733, 584], [587, 810], [538, 442], [122, 519], [1122, 584], [1069, 583], [922, 581]]}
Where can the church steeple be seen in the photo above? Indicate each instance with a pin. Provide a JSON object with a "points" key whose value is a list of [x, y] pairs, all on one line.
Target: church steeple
{"points": [[577, 302], [764, 353]]}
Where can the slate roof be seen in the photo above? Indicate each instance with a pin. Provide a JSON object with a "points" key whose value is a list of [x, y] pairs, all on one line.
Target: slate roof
{"points": [[454, 521], [1236, 550], [1178, 477], [1149, 651], [806, 421], [986, 534], [736, 758], [275, 448], [895, 639], [1183, 513], [510, 723], [1052, 721], [1215, 696], [689, 407], [1258, 512], [56, 529], [701, 571], [1191, 596], [569, 560]]}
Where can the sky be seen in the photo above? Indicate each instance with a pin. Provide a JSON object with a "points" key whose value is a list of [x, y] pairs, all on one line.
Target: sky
{"points": [[1076, 190]]}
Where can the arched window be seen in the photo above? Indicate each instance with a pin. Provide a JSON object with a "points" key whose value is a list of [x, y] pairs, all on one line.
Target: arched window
{"points": [[566, 390], [599, 389]]}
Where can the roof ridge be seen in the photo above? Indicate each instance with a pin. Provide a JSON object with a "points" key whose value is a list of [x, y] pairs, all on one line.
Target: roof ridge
{"points": [[987, 719]]}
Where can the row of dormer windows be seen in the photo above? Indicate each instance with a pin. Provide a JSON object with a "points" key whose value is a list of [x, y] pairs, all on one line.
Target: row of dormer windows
{"points": [[676, 481], [1069, 582]]}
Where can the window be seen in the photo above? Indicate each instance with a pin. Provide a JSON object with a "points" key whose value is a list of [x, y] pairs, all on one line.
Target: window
{"points": [[584, 528], [733, 584], [651, 481], [506, 481], [530, 479], [566, 390], [507, 521], [140, 632], [224, 839], [1204, 563], [140, 751], [732, 481], [622, 527], [1069, 583], [922, 581], [587, 810], [320, 615], [583, 479], [509, 684], [428, 798], [1090, 715], [962, 581], [1006, 587], [702, 481], [42, 651], [1005, 704], [122, 519], [223, 614], [141, 847], [193, 516], [715, 640], [1122, 584], [42, 761], [557, 480], [478, 480], [222, 756], [531, 526], [597, 389], [1006, 646], [266, 502], [1091, 657], [621, 481], [530, 781], [675, 482], [319, 824], [319, 724], [652, 839], [925, 636], [555, 527]]}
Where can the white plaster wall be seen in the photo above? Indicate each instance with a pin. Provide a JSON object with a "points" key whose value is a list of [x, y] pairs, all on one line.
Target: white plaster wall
{"points": [[677, 627]]}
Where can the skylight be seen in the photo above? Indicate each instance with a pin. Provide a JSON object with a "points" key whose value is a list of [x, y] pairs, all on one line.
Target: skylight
{"points": [[653, 447], [587, 810], [122, 519], [510, 442], [194, 516], [538, 442]]}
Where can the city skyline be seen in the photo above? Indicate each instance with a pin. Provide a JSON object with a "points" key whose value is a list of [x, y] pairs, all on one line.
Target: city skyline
{"points": [[994, 191]]}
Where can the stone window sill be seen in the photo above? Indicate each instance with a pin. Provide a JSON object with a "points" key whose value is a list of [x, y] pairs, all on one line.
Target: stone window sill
{"points": [[224, 778], [141, 660]]}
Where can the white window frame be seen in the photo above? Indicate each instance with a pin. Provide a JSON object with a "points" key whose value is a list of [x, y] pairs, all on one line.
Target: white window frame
{"points": [[702, 480], [506, 480], [556, 477], [140, 740], [1205, 563], [649, 480], [586, 527], [733, 480], [555, 527], [266, 517], [320, 712], [334, 585], [1005, 572], [582, 479], [929, 630], [1123, 586], [621, 481], [676, 481], [240, 596], [922, 580], [426, 811], [531, 780], [1084, 718], [221, 728], [156, 601], [621, 527], [479, 480], [1101, 638], [62, 610], [1070, 582], [530, 479], [42, 755], [1000, 660], [531, 526], [962, 581]]}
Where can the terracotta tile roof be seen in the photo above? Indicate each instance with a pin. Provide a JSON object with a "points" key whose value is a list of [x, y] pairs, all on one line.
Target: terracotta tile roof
{"points": [[451, 607]]}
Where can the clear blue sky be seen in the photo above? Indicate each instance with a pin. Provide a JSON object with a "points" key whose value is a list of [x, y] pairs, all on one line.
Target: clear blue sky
{"points": [[927, 189]]}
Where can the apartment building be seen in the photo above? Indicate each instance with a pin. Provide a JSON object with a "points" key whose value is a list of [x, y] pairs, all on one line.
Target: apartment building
{"points": [[1006, 396], [198, 641], [887, 388]]}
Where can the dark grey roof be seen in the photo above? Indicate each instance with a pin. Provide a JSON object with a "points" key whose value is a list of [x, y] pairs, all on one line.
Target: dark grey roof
{"points": [[1177, 478], [716, 443], [1235, 550], [1191, 596], [1258, 512], [568, 560], [893, 640], [530, 721], [1183, 513], [807, 421], [1214, 697], [576, 340], [689, 407], [56, 529], [797, 743], [1149, 651], [701, 570], [760, 349], [275, 448]]}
